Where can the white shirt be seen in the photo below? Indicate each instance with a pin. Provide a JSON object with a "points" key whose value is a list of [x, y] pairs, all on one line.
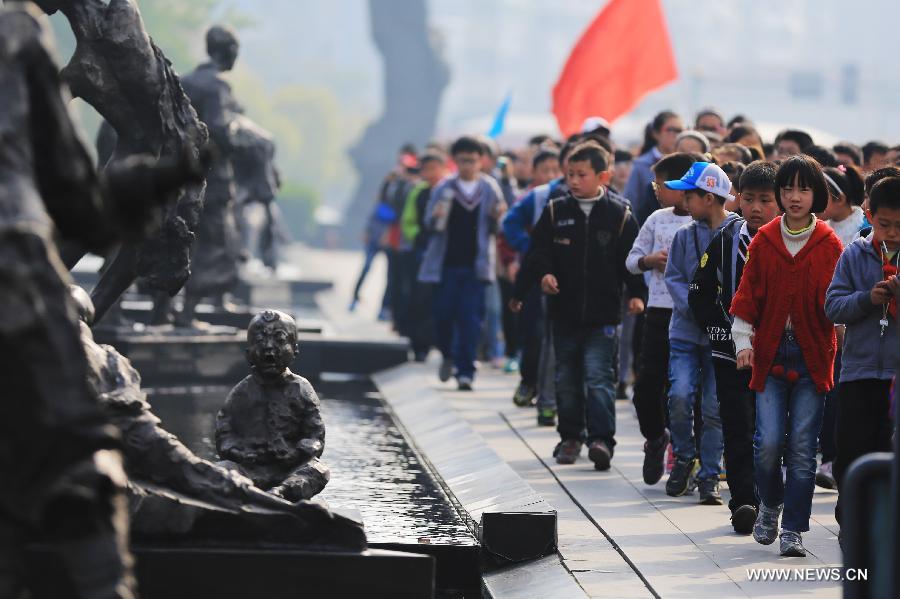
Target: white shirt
{"points": [[656, 234], [468, 187], [847, 230]]}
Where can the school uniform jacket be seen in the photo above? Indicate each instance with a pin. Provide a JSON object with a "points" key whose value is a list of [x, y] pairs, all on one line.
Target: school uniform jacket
{"points": [[776, 285], [587, 257]]}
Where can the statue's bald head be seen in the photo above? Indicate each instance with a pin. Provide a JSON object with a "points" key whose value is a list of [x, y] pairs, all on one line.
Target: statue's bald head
{"points": [[272, 318], [222, 46]]}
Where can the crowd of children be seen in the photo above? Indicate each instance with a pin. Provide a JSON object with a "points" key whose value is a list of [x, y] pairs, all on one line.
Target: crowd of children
{"points": [[749, 291]]}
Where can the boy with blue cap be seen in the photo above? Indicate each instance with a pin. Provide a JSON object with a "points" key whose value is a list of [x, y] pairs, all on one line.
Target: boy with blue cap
{"points": [[706, 189]]}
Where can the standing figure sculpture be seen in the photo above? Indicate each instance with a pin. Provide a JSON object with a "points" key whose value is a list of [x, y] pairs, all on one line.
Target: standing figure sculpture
{"points": [[118, 70], [270, 428], [217, 250], [257, 182]]}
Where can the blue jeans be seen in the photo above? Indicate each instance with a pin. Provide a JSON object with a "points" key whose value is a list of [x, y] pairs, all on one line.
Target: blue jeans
{"points": [[585, 383], [792, 410], [458, 317], [691, 375]]}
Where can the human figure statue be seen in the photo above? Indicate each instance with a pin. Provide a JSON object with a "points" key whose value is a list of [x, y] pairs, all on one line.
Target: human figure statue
{"points": [[270, 428], [118, 70], [257, 182], [217, 250], [159, 466], [60, 468]]}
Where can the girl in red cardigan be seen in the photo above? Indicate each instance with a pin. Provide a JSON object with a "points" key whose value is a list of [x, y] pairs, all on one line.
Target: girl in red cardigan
{"points": [[781, 331]]}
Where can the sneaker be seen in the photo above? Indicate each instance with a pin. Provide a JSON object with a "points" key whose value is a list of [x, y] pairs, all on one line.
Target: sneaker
{"points": [[654, 459], [511, 366], [446, 370], [765, 530], [709, 492], [524, 396], [546, 417], [464, 383], [825, 477], [743, 519], [621, 390], [600, 454], [792, 544], [683, 477], [566, 452]]}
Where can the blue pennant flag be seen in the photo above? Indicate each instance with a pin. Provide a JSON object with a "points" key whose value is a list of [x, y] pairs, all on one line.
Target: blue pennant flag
{"points": [[500, 118]]}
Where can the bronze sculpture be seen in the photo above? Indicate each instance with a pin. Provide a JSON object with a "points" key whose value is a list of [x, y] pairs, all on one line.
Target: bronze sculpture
{"points": [[169, 486], [270, 428], [217, 250], [120, 71]]}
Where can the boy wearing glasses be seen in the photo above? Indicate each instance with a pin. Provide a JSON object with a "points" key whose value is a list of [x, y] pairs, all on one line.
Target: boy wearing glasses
{"points": [[462, 217]]}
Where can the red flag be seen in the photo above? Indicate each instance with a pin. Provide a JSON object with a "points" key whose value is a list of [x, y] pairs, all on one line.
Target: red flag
{"points": [[623, 55]]}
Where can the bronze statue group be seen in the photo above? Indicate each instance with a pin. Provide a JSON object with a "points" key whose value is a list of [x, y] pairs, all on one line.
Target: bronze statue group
{"points": [[82, 456]]}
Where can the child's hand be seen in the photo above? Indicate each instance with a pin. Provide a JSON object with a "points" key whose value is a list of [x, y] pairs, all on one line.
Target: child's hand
{"points": [[550, 285], [893, 285], [881, 293], [657, 260], [635, 306], [745, 359], [515, 306]]}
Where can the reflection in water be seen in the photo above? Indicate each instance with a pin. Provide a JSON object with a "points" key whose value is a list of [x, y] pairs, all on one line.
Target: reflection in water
{"points": [[373, 470]]}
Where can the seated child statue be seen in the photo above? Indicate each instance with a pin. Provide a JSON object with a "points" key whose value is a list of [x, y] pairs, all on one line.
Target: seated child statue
{"points": [[270, 428]]}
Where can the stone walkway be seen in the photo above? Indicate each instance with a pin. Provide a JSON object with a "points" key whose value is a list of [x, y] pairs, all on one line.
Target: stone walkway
{"points": [[621, 538], [617, 536]]}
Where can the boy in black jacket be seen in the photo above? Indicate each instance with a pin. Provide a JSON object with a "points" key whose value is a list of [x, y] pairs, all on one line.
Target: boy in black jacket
{"points": [[578, 253], [709, 296]]}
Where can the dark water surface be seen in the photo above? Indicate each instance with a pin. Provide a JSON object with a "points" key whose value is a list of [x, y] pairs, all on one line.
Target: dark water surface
{"points": [[373, 469]]}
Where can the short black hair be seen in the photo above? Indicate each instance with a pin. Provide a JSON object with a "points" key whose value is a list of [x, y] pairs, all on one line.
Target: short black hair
{"points": [[432, 156], [885, 194], [743, 151], [739, 119], [850, 149], [759, 175], [674, 166], [849, 182], [879, 174], [591, 151], [873, 147], [408, 148], [801, 138], [623, 156], [537, 140], [467, 144], [808, 173], [543, 156], [708, 112], [601, 139], [734, 170], [566, 150], [823, 155], [703, 192]]}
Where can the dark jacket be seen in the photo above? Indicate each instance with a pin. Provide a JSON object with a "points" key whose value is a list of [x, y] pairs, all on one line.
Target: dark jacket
{"points": [[587, 256], [713, 286]]}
